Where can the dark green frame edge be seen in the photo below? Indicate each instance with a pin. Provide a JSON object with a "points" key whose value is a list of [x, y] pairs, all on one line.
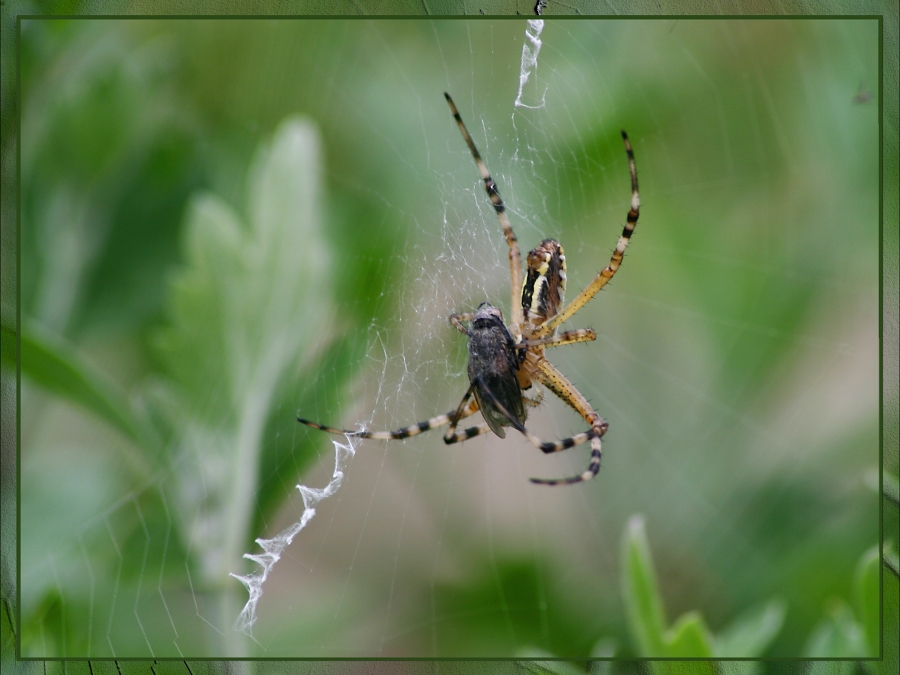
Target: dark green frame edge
{"points": [[12, 10]]}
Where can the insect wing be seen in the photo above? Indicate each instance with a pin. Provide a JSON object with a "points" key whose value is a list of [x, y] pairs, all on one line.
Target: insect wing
{"points": [[500, 400], [494, 418]]}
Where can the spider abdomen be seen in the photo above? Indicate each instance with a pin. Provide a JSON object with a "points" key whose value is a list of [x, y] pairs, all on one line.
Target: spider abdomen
{"points": [[544, 283]]}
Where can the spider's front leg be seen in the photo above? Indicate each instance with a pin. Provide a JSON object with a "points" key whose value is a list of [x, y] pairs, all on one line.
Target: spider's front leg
{"points": [[515, 258], [458, 319], [607, 272]]}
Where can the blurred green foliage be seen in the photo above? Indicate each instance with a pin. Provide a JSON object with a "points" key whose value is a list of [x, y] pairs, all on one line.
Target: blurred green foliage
{"points": [[221, 222], [747, 637]]}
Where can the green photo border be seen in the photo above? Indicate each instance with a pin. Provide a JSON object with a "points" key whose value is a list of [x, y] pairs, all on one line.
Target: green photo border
{"points": [[12, 10]]}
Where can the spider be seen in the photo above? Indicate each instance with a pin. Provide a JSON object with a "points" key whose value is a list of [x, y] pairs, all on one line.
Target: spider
{"points": [[506, 360]]}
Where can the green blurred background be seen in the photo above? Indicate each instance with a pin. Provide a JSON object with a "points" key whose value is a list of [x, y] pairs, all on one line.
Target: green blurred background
{"points": [[737, 359]]}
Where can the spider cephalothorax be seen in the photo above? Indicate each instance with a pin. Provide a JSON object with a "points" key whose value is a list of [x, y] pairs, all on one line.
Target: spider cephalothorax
{"points": [[505, 360]]}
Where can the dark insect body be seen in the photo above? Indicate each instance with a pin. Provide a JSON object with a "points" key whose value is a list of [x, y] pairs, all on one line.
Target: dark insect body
{"points": [[493, 370]]}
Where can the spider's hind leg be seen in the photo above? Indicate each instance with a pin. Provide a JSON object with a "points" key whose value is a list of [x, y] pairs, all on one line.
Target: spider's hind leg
{"points": [[555, 446], [555, 381]]}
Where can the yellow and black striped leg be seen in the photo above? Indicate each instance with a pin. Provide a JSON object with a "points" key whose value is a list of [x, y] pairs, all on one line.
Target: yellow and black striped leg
{"points": [[568, 338], [607, 272], [466, 434], [453, 417], [556, 382], [515, 258], [589, 473], [467, 406]]}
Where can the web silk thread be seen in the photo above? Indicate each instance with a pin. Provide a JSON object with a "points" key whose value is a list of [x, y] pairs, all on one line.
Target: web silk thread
{"points": [[530, 49], [273, 548]]}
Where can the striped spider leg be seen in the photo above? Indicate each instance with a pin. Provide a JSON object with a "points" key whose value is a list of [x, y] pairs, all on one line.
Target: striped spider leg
{"points": [[607, 273], [515, 259], [467, 406]]}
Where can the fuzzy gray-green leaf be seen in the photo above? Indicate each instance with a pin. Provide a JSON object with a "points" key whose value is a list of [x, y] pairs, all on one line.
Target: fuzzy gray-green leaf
{"points": [[750, 634], [689, 637], [641, 592], [250, 299]]}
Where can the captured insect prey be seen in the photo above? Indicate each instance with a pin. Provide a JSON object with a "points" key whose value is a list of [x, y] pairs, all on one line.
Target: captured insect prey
{"points": [[506, 360], [494, 371]]}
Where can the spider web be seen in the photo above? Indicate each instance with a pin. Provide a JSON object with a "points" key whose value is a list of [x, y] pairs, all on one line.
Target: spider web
{"points": [[736, 359]]}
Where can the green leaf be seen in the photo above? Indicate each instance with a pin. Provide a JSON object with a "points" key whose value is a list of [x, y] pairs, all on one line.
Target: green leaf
{"points": [[752, 632], [689, 637], [248, 310], [641, 592], [283, 460], [604, 648], [867, 584], [57, 367], [839, 635], [740, 668]]}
